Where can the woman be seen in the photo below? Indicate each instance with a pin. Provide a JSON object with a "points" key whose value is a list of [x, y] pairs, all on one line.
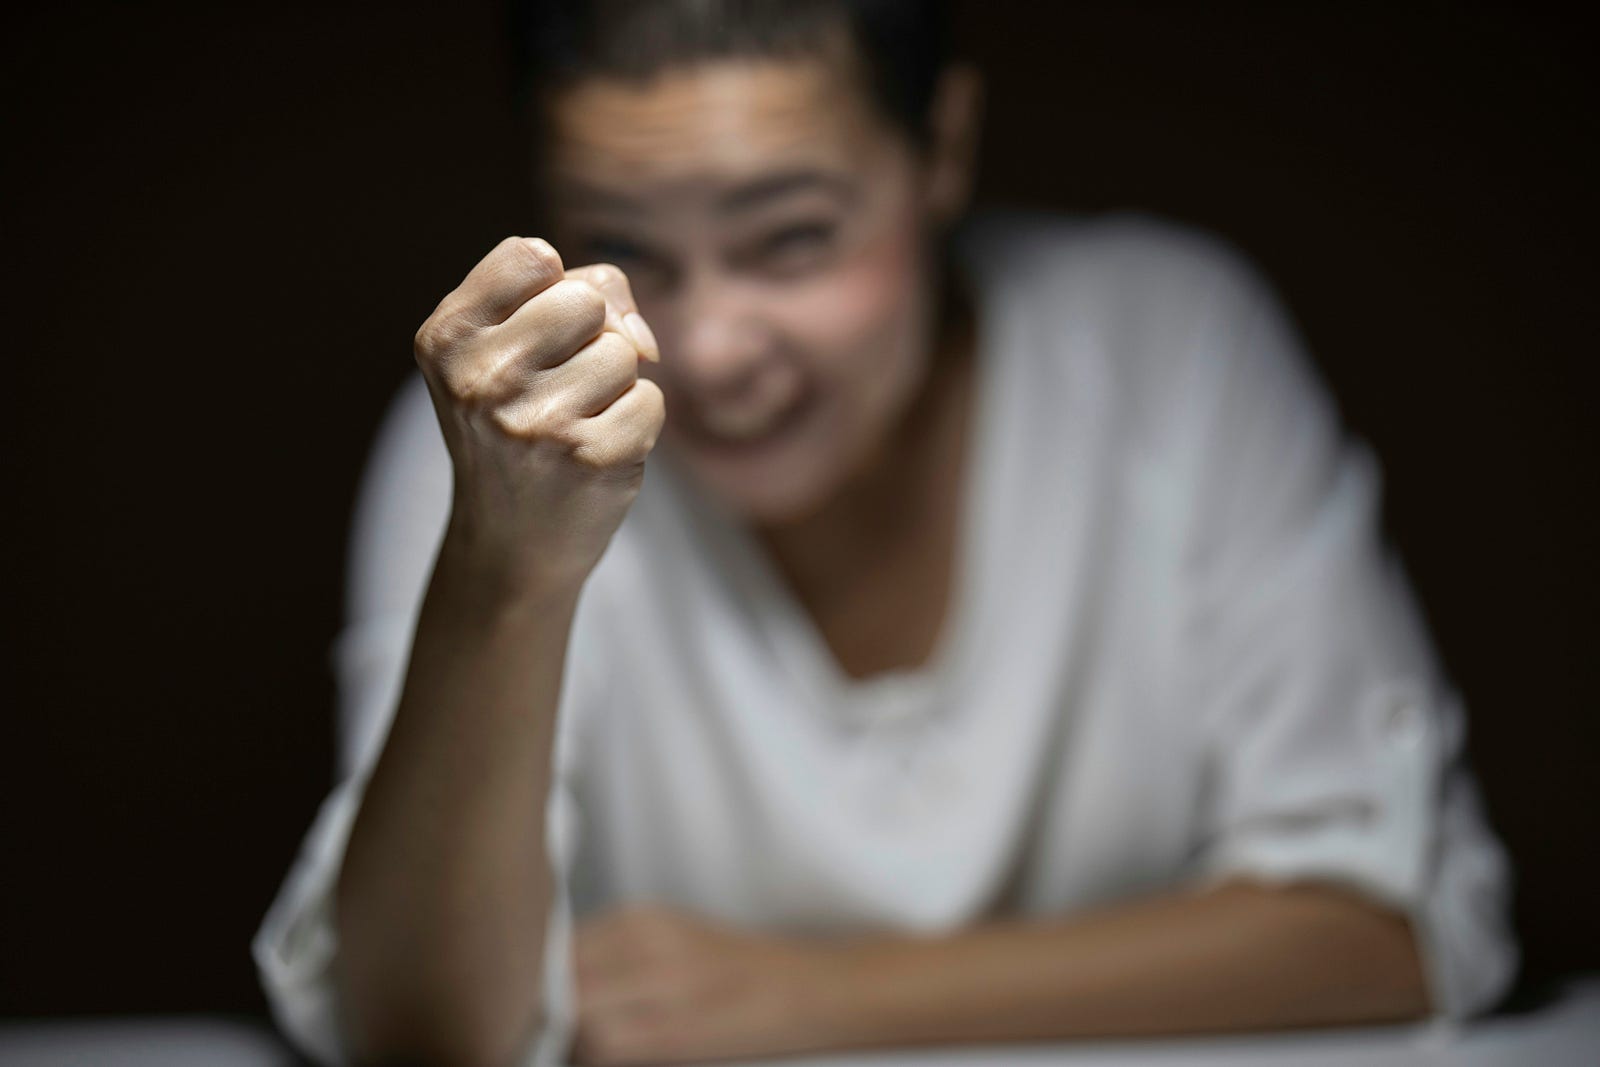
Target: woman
{"points": [[997, 646]]}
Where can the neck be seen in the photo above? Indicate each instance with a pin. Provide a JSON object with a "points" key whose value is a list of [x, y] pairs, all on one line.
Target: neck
{"points": [[908, 482]]}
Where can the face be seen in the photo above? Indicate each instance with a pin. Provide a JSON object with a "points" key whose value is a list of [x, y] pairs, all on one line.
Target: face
{"points": [[776, 232]]}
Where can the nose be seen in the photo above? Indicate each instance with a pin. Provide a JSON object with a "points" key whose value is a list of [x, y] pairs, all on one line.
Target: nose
{"points": [[720, 343]]}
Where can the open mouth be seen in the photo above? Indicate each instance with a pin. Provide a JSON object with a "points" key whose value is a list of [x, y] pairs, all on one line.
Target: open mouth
{"points": [[748, 430]]}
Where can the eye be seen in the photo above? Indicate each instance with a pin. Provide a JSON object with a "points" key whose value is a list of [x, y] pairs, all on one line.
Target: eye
{"points": [[803, 237], [645, 268], [618, 250], [795, 248]]}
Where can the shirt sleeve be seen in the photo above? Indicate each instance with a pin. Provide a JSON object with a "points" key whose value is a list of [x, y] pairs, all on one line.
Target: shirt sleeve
{"points": [[400, 515], [1334, 745]]}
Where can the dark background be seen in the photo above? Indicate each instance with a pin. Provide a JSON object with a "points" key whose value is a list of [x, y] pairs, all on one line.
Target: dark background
{"points": [[224, 226]]}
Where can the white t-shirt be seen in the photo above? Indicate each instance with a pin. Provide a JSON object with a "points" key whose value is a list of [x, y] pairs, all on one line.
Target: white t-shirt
{"points": [[1177, 651]]}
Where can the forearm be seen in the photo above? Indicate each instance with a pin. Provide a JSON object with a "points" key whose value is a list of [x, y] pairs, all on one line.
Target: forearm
{"points": [[1238, 957], [445, 887]]}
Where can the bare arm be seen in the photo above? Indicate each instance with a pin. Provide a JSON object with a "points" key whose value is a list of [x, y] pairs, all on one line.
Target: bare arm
{"points": [[657, 986], [1238, 957], [445, 888]]}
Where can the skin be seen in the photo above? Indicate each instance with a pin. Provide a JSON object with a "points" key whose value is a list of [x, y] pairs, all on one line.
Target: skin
{"points": [[812, 291], [780, 241], [814, 375], [443, 893]]}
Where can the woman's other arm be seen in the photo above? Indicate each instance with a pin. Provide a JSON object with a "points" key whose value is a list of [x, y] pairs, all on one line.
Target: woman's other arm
{"points": [[661, 987], [1239, 956], [1330, 754]]}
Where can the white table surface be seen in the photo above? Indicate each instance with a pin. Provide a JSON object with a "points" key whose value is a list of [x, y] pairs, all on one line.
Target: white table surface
{"points": [[1565, 1033]]}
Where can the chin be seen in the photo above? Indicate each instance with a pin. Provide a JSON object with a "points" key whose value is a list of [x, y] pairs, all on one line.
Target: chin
{"points": [[774, 503], [770, 486]]}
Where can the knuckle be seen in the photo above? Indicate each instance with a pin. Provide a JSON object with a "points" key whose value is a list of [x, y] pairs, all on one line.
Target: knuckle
{"points": [[457, 385], [533, 255], [525, 417], [532, 251], [545, 253], [564, 435], [649, 419], [477, 377], [516, 265], [594, 456], [652, 400], [461, 380], [433, 337], [513, 422], [450, 325], [615, 357], [581, 302], [541, 420], [606, 274]]}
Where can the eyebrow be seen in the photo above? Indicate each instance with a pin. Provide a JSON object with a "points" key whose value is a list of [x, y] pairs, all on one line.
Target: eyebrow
{"points": [[782, 184], [744, 198]]}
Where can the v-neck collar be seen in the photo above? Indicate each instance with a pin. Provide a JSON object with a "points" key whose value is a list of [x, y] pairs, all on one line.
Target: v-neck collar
{"points": [[789, 631]]}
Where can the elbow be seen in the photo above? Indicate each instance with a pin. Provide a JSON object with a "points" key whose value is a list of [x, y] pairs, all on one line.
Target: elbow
{"points": [[438, 1042], [457, 1010], [391, 1023], [1370, 949]]}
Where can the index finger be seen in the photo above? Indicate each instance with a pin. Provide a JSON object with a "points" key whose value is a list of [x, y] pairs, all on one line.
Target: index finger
{"points": [[515, 270]]}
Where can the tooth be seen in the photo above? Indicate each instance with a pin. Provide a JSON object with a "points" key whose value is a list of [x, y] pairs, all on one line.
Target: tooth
{"points": [[739, 425]]}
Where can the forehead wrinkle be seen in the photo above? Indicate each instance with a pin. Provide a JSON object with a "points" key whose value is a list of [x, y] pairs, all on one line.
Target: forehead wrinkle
{"points": [[727, 120]]}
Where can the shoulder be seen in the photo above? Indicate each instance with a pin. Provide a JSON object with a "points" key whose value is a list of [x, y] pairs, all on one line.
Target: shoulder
{"points": [[1118, 268], [1145, 313], [1151, 296]]}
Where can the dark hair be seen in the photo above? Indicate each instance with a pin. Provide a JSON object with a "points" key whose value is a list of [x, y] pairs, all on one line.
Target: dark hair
{"points": [[900, 45]]}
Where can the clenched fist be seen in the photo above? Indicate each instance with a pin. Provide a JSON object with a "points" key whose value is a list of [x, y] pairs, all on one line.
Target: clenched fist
{"points": [[533, 371]]}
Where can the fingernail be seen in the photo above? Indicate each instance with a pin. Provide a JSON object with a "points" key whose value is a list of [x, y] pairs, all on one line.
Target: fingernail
{"points": [[643, 339]]}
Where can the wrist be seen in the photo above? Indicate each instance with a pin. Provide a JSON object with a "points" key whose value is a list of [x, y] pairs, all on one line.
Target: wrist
{"points": [[486, 582], [836, 1003]]}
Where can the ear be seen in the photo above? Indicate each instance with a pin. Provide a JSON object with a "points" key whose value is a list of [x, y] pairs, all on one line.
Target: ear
{"points": [[954, 121]]}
